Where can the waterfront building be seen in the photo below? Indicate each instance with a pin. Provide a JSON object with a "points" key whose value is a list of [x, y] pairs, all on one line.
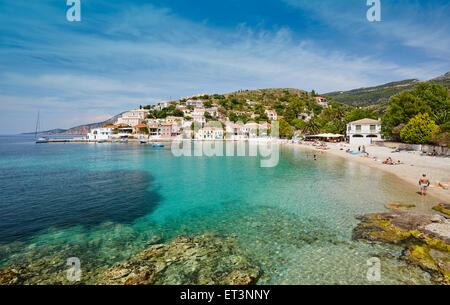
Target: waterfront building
{"points": [[137, 129], [364, 132], [166, 130], [102, 134], [209, 133]]}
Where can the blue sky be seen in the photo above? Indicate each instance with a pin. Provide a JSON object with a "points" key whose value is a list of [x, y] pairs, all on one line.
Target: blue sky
{"points": [[129, 53]]}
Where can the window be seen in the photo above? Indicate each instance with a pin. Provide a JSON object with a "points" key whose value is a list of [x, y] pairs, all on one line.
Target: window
{"points": [[358, 127], [372, 128]]}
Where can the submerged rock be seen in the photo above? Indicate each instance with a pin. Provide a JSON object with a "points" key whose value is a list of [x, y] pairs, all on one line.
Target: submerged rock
{"points": [[444, 208], [434, 261], [426, 237], [200, 260]]}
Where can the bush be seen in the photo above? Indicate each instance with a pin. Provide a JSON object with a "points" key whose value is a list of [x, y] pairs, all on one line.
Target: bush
{"points": [[419, 130]]}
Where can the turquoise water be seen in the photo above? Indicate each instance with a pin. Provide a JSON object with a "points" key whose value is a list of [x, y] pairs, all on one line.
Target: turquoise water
{"points": [[104, 202]]}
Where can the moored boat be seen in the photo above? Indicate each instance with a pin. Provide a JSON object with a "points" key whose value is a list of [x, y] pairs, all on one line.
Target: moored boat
{"points": [[38, 126], [41, 140]]}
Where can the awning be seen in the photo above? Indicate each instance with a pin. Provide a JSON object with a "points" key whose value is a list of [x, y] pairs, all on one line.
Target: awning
{"points": [[326, 135]]}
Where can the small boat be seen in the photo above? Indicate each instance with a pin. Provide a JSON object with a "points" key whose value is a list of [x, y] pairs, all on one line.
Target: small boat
{"points": [[157, 145], [41, 140], [100, 141], [143, 142]]}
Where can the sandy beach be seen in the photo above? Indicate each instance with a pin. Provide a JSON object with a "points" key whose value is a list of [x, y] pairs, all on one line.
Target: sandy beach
{"points": [[412, 166]]}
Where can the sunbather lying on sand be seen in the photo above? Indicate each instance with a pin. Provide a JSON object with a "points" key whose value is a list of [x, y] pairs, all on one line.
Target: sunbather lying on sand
{"points": [[388, 161], [442, 185]]}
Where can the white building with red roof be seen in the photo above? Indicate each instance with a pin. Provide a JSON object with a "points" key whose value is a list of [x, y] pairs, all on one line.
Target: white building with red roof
{"points": [[272, 115]]}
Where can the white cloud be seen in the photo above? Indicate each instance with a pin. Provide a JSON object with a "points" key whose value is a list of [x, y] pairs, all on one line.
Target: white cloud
{"points": [[417, 25]]}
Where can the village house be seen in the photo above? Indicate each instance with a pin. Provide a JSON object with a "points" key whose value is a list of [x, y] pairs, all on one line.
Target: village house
{"points": [[104, 133], [173, 119], [214, 112], [138, 129], [154, 130], [250, 130], [122, 129], [234, 131], [133, 117], [184, 109], [139, 113], [198, 111], [209, 133], [271, 114], [167, 104], [130, 121], [199, 119], [195, 103], [187, 124], [322, 101], [305, 116], [166, 130], [364, 132]]}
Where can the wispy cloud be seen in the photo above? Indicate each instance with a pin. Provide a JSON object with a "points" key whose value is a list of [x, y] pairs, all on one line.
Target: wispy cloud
{"points": [[415, 24]]}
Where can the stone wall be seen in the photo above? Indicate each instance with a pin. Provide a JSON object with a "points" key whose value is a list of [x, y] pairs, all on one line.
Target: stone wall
{"points": [[441, 150]]}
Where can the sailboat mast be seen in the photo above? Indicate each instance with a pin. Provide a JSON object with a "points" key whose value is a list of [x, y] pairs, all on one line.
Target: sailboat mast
{"points": [[37, 126]]}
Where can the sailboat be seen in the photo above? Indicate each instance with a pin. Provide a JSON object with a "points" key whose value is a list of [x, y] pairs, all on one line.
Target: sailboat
{"points": [[38, 126]]}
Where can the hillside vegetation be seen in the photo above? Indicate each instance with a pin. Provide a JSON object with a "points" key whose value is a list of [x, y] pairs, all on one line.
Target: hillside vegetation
{"points": [[378, 96]]}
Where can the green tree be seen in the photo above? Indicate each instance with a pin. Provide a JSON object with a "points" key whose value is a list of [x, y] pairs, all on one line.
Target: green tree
{"points": [[419, 129], [312, 126], [436, 96], [178, 113], [298, 123], [360, 113], [402, 107], [285, 129], [208, 116], [335, 126]]}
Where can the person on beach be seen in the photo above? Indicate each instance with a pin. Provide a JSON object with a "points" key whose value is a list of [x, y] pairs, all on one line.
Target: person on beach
{"points": [[315, 158], [424, 183]]}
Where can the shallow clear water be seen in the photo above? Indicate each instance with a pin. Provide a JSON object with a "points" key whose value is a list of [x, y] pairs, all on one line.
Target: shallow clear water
{"points": [[104, 202]]}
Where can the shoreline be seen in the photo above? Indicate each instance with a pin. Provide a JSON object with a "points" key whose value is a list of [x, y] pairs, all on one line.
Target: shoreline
{"points": [[409, 171]]}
